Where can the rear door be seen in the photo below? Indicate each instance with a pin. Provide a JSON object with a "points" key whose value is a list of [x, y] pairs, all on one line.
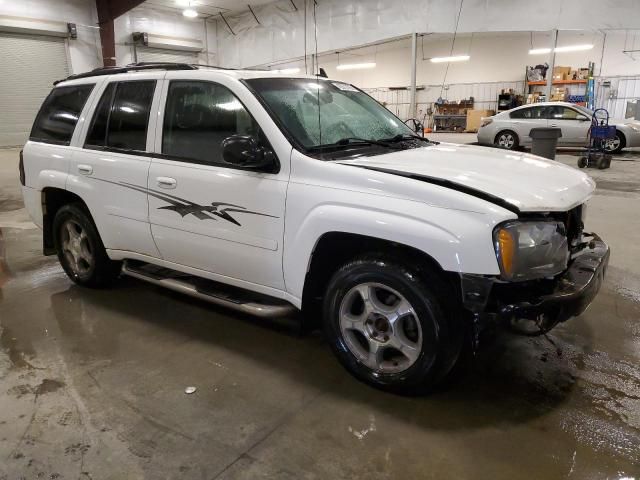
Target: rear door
{"points": [[574, 125], [109, 172], [524, 119], [205, 213]]}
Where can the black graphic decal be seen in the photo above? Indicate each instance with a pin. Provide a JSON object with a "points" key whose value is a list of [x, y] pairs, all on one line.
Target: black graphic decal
{"points": [[184, 207]]}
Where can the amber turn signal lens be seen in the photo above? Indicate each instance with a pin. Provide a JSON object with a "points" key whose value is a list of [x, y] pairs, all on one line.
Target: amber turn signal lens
{"points": [[507, 250]]}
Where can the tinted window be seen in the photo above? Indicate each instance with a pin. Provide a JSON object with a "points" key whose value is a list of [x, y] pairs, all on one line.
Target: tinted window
{"points": [[59, 114], [122, 116], [98, 132], [564, 113], [199, 116], [531, 113]]}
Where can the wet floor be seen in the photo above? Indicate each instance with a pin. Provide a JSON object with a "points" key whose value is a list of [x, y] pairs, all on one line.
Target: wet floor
{"points": [[92, 384]]}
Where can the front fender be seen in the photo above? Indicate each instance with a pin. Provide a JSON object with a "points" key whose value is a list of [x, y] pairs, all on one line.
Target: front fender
{"points": [[460, 241]]}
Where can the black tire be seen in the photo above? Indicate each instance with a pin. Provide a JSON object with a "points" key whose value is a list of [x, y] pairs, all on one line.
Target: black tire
{"points": [[436, 310], [507, 145], [100, 271], [621, 142], [582, 162]]}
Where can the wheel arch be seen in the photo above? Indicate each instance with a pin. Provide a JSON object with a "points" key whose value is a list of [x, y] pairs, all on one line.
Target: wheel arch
{"points": [[335, 248], [53, 199]]}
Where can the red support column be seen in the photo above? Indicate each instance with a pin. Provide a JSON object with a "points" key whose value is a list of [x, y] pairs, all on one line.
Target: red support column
{"points": [[108, 11]]}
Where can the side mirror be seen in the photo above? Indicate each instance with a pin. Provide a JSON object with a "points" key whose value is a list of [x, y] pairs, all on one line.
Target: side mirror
{"points": [[244, 151]]}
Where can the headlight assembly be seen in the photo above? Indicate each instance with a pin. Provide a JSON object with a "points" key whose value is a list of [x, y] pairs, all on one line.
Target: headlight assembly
{"points": [[528, 250]]}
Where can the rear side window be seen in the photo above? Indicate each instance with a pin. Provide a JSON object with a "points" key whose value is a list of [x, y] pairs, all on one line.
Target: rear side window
{"points": [[531, 113], [122, 116], [199, 116], [59, 114]]}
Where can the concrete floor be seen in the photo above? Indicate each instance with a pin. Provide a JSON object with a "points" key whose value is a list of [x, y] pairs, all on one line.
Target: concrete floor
{"points": [[92, 382]]}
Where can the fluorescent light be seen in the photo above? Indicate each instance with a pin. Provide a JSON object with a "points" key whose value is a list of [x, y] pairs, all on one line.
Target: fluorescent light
{"points": [[355, 66], [539, 51], [574, 48], [458, 58], [568, 48], [287, 70], [190, 12]]}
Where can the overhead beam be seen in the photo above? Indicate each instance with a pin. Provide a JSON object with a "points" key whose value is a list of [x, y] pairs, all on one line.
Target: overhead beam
{"points": [[108, 11]]}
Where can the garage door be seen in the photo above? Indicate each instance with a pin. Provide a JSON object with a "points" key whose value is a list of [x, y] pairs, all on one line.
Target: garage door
{"points": [[30, 64], [146, 54]]}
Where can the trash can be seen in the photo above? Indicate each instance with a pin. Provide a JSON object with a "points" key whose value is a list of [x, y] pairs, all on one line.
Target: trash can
{"points": [[545, 141]]}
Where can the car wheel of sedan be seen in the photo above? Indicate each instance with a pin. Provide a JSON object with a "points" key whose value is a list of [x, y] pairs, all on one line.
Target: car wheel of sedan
{"points": [[507, 139], [388, 327], [616, 144]]}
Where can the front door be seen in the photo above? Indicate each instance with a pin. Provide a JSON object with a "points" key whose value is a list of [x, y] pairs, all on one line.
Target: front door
{"points": [[207, 214], [574, 125]]}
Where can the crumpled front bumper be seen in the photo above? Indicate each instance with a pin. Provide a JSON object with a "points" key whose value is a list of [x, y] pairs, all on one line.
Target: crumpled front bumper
{"points": [[567, 295]]}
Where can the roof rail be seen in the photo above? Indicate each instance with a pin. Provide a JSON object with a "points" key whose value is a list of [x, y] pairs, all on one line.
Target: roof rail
{"points": [[132, 67]]}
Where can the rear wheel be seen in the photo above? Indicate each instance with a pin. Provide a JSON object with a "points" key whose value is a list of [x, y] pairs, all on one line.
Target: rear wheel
{"points": [[616, 144], [507, 140], [388, 327], [80, 249]]}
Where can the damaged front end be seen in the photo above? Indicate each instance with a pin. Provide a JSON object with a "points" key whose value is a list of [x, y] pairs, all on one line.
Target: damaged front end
{"points": [[534, 307]]}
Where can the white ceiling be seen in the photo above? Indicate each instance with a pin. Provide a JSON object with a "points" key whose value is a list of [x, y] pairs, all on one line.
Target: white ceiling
{"points": [[205, 8]]}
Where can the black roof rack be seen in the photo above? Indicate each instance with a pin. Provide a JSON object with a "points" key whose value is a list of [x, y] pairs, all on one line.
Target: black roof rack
{"points": [[132, 67]]}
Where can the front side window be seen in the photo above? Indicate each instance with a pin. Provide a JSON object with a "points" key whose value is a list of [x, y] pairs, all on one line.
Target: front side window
{"points": [[321, 113], [563, 113], [59, 114], [198, 116], [122, 116]]}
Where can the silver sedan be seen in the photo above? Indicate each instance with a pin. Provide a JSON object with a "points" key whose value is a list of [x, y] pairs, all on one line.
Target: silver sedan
{"points": [[511, 129]]}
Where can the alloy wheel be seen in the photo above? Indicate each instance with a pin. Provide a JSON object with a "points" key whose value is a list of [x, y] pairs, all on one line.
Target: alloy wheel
{"points": [[612, 144], [380, 327], [77, 248], [506, 140]]}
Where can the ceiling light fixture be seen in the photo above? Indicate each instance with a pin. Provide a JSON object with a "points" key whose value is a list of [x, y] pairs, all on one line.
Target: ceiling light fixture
{"points": [[569, 48], [457, 58], [355, 66], [190, 13]]}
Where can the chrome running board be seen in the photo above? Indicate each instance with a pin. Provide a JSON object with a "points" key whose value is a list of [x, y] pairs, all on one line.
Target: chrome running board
{"points": [[209, 291]]}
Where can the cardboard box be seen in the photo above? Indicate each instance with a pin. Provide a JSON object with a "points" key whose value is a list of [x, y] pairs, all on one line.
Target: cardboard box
{"points": [[558, 94], [583, 74], [561, 70], [475, 116]]}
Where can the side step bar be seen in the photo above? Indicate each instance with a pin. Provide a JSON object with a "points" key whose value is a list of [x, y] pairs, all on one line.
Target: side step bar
{"points": [[209, 291]]}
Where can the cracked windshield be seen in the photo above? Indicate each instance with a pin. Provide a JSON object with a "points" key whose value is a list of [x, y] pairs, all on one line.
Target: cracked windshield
{"points": [[324, 113]]}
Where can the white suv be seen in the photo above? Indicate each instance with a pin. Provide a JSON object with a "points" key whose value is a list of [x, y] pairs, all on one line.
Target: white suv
{"points": [[269, 193]]}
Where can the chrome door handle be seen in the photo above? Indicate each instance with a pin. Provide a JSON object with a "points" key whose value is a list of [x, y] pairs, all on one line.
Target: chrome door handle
{"points": [[85, 169], [554, 124], [166, 182]]}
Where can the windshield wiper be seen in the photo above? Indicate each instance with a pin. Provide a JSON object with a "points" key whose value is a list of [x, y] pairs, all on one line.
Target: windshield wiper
{"points": [[354, 141], [406, 136]]}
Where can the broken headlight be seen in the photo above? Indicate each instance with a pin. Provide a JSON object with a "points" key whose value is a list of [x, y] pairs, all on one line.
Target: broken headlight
{"points": [[528, 250]]}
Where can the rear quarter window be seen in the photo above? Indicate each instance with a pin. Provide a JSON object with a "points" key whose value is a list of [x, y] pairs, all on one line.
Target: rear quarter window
{"points": [[59, 114]]}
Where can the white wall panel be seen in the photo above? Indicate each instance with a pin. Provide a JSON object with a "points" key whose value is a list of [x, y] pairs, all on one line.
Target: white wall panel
{"points": [[85, 52], [343, 24]]}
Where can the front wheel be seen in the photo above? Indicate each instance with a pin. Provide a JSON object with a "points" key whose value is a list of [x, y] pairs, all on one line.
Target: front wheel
{"points": [[80, 249], [388, 328]]}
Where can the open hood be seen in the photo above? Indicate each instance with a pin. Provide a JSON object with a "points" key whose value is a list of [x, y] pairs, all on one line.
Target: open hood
{"points": [[526, 182]]}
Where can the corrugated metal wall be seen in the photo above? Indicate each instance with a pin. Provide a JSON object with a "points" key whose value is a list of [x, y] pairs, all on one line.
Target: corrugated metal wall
{"points": [[485, 95], [30, 64], [615, 97]]}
